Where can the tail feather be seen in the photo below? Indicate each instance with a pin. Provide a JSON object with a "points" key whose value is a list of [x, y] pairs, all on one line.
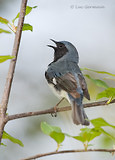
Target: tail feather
{"points": [[78, 114]]}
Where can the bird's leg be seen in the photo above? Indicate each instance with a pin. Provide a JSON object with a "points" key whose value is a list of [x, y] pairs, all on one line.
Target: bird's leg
{"points": [[55, 108]]}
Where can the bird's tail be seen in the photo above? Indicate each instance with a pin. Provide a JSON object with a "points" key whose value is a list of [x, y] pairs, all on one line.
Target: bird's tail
{"points": [[78, 114]]}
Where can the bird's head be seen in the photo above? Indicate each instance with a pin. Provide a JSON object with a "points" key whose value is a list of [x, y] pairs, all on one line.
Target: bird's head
{"points": [[65, 50]]}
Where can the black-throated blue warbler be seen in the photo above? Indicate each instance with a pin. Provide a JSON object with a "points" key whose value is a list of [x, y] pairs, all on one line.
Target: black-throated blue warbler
{"points": [[65, 77]]}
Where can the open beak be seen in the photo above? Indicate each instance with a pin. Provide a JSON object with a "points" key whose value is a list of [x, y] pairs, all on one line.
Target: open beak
{"points": [[53, 41], [51, 45]]}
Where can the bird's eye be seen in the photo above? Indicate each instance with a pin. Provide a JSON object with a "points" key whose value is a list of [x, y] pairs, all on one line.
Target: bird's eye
{"points": [[60, 46]]}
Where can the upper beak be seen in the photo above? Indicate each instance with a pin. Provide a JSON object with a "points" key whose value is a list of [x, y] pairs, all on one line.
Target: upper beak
{"points": [[53, 41], [53, 46]]}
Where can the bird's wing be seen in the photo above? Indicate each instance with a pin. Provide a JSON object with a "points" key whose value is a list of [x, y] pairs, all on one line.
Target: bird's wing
{"points": [[68, 83], [84, 86]]}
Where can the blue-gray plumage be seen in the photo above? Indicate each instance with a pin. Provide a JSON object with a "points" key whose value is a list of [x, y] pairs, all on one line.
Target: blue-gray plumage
{"points": [[65, 77]]}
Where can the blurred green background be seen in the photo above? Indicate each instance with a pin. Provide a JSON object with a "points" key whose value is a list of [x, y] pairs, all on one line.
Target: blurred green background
{"points": [[92, 31]]}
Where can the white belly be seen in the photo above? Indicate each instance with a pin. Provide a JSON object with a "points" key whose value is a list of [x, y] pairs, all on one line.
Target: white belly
{"points": [[59, 94]]}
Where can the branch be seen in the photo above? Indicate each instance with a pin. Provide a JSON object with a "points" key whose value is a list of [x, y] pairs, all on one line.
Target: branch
{"points": [[52, 110], [7, 89], [68, 151]]}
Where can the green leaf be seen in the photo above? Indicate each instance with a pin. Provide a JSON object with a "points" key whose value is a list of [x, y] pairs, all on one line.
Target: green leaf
{"points": [[53, 131], [87, 134], [106, 142], [4, 58], [27, 27], [3, 20], [98, 82], [101, 72], [79, 138], [12, 139], [47, 129], [108, 93], [93, 134], [110, 78], [66, 134], [107, 134], [100, 122], [58, 137], [4, 31], [3, 144], [28, 10]]}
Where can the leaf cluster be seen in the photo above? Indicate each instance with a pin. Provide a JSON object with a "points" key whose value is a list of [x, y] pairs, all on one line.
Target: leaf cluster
{"points": [[11, 24], [13, 28], [85, 136], [108, 92]]}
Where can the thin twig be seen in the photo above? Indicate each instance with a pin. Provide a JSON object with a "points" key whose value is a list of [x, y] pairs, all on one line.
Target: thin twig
{"points": [[7, 89], [68, 151], [52, 110]]}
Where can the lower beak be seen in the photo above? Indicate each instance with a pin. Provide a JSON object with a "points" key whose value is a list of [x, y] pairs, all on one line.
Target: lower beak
{"points": [[53, 46]]}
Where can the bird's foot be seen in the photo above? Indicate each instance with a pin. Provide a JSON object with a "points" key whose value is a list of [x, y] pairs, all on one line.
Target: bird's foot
{"points": [[54, 114]]}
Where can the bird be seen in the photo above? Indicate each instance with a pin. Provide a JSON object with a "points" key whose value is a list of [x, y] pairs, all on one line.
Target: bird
{"points": [[66, 79]]}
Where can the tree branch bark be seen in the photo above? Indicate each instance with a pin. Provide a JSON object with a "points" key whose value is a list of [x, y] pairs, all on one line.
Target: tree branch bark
{"points": [[52, 110], [68, 151], [10, 75]]}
